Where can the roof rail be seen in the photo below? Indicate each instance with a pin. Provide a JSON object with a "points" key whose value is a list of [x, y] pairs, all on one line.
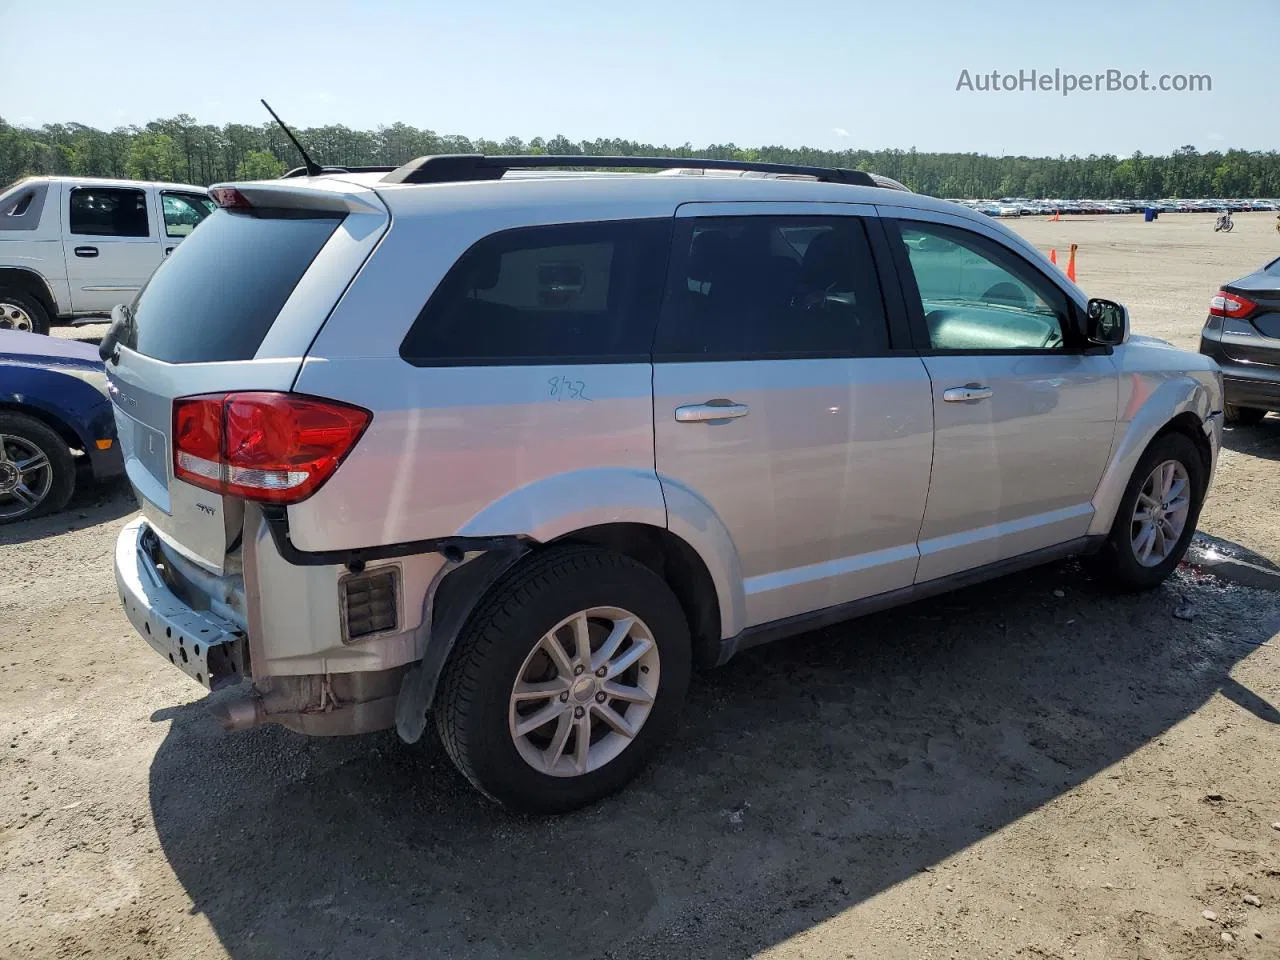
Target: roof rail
{"points": [[456, 167], [302, 171]]}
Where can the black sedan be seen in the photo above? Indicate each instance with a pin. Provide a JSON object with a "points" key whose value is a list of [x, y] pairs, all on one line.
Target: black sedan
{"points": [[1243, 334]]}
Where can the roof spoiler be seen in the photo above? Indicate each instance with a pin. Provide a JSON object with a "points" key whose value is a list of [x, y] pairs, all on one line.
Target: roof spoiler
{"points": [[463, 167]]}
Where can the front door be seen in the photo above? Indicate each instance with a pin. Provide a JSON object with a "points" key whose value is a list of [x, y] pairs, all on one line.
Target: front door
{"points": [[782, 405], [1024, 409], [111, 247]]}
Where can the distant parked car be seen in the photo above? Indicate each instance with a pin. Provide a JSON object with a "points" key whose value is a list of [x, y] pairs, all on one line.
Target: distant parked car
{"points": [[53, 405], [1242, 333], [75, 247]]}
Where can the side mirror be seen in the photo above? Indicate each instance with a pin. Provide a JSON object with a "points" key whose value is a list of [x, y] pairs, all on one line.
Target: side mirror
{"points": [[1107, 322]]}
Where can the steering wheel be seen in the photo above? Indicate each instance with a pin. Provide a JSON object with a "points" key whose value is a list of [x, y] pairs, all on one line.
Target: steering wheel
{"points": [[1006, 293]]}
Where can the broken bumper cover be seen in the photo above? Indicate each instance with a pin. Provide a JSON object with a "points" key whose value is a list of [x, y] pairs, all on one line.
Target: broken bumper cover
{"points": [[207, 648]]}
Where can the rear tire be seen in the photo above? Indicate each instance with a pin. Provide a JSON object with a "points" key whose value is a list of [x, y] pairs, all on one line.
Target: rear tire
{"points": [[1121, 562], [21, 311], [495, 680], [25, 440], [1242, 416]]}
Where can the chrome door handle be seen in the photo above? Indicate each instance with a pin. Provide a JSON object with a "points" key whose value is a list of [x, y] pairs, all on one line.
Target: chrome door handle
{"points": [[711, 411], [966, 394]]}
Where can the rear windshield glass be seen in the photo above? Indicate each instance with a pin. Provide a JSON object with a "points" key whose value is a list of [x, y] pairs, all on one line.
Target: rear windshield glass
{"points": [[218, 293]]}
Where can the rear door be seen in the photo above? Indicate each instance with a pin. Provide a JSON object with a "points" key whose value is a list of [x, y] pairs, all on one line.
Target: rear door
{"points": [[111, 245], [784, 402], [234, 308]]}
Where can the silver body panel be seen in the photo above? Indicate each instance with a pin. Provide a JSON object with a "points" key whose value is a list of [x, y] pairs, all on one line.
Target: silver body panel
{"points": [[844, 478], [821, 486], [1016, 471]]}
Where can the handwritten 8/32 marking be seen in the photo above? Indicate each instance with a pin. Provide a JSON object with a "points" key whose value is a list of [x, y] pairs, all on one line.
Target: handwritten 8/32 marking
{"points": [[562, 388]]}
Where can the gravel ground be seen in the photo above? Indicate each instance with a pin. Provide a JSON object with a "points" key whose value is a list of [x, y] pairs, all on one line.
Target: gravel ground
{"points": [[1031, 768]]}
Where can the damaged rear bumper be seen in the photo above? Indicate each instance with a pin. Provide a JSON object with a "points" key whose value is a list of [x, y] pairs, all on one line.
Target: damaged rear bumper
{"points": [[206, 647]]}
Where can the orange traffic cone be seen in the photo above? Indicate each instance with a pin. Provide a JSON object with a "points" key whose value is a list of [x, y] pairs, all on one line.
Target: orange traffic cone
{"points": [[1053, 255], [1071, 264]]}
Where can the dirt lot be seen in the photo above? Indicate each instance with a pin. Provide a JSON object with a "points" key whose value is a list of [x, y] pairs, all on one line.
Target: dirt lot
{"points": [[1030, 769]]}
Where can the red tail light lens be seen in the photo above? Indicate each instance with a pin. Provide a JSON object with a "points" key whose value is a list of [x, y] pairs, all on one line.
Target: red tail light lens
{"points": [[270, 447], [1231, 305]]}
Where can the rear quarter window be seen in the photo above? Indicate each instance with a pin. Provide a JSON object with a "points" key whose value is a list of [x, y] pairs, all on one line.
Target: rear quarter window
{"points": [[584, 292], [220, 291]]}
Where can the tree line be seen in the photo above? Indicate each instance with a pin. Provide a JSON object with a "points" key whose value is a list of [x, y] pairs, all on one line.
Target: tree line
{"points": [[181, 149]]}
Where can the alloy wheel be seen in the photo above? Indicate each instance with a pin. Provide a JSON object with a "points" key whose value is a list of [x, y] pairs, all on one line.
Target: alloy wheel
{"points": [[584, 692], [26, 476], [1160, 515]]}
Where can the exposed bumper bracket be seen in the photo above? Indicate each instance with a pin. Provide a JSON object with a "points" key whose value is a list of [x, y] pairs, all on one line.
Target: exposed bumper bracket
{"points": [[205, 647], [452, 548]]}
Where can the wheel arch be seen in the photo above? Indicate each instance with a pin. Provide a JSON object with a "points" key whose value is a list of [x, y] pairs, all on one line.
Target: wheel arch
{"points": [[1178, 405], [677, 563], [55, 423], [33, 284], [1192, 427]]}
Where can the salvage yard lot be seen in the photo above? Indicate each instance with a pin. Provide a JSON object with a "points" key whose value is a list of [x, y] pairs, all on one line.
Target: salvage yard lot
{"points": [[1031, 768]]}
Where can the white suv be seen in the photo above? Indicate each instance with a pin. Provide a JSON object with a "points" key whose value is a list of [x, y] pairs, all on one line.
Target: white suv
{"points": [[76, 246], [517, 448]]}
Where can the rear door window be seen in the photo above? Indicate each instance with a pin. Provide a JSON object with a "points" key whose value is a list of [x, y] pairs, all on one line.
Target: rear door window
{"points": [[771, 287], [220, 291], [109, 212], [584, 292], [183, 211]]}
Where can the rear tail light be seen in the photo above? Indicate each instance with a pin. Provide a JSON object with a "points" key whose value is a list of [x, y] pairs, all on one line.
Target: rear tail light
{"points": [[1231, 305], [270, 447]]}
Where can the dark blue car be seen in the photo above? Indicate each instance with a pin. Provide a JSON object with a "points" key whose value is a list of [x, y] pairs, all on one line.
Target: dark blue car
{"points": [[54, 418]]}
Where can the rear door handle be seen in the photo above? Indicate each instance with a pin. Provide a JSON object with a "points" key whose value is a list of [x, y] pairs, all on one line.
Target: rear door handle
{"points": [[168, 250], [711, 411], [966, 394], [86, 251]]}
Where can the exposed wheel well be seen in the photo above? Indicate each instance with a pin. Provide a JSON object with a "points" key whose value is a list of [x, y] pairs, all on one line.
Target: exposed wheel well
{"points": [[49, 420], [678, 564], [1191, 426], [32, 285]]}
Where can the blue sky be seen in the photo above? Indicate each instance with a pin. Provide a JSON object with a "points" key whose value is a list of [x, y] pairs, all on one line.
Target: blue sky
{"points": [[803, 72]]}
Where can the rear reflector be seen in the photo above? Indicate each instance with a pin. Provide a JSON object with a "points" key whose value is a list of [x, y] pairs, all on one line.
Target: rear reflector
{"points": [[1231, 305], [369, 603], [270, 447]]}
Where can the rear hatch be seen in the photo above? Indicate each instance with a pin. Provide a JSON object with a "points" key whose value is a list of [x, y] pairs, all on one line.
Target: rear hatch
{"points": [[235, 308], [1255, 336]]}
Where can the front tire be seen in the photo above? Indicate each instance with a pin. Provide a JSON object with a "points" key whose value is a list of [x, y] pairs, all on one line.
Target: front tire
{"points": [[1157, 515], [37, 473], [565, 681], [21, 311]]}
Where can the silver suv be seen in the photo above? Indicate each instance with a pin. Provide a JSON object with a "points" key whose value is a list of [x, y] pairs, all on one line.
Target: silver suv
{"points": [[516, 448]]}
